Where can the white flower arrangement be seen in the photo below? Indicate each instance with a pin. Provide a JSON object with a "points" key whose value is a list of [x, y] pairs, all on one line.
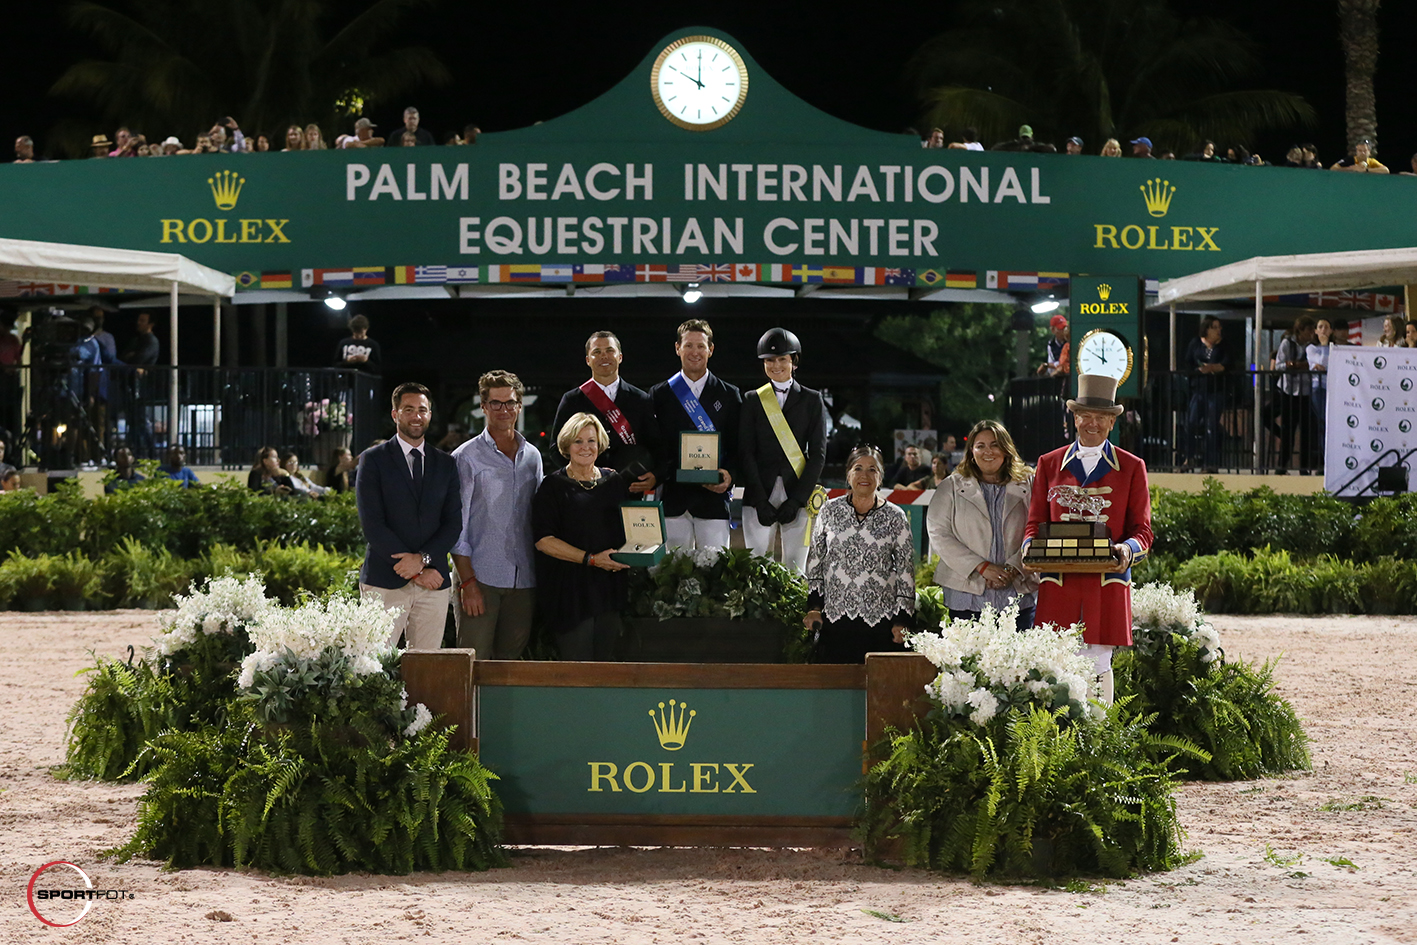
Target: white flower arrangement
{"points": [[358, 629], [987, 666], [223, 605], [1158, 610]]}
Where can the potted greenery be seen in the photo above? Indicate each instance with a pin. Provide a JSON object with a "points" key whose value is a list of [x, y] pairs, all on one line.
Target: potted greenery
{"points": [[28, 581], [75, 581], [716, 605]]}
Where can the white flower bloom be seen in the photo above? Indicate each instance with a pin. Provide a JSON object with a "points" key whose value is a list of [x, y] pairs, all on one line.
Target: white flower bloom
{"points": [[985, 706], [420, 721]]}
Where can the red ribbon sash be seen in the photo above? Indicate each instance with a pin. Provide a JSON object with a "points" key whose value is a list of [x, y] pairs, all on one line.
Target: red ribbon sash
{"points": [[612, 413]]}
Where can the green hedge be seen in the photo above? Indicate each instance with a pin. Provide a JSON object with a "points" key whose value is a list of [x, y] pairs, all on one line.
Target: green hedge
{"points": [[1188, 525], [160, 513]]}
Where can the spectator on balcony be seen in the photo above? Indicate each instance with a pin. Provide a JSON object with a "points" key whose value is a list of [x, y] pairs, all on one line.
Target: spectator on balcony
{"points": [[1410, 334], [1073, 145], [363, 136], [936, 140], [263, 144], [10, 480], [121, 144], [1141, 147], [176, 467], [410, 123], [142, 349], [340, 476], [1292, 408], [1340, 331], [124, 475], [939, 471], [470, 133], [266, 475], [1207, 359], [100, 146], [408, 139], [1059, 349], [1317, 353], [314, 140], [171, 146], [1311, 157], [1362, 161], [1111, 148], [234, 142], [1025, 142], [294, 139], [24, 150], [1294, 157], [1393, 332], [359, 350], [1165, 154]]}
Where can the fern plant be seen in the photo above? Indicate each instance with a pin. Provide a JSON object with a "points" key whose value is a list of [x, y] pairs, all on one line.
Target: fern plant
{"points": [[1027, 794], [122, 708]]}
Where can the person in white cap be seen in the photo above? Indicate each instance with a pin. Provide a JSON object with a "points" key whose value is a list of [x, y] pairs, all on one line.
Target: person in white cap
{"points": [[363, 136], [1102, 603]]}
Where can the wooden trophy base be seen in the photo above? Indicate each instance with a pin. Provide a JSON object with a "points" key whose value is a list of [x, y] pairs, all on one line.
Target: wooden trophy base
{"points": [[1084, 547]]}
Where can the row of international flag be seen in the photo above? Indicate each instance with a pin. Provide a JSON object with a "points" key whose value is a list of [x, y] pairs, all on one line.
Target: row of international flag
{"points": [[592, 273]]}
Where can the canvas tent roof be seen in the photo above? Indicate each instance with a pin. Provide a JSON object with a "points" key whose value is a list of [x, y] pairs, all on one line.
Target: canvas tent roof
{"points": [[31, 261], [1283, 275]]}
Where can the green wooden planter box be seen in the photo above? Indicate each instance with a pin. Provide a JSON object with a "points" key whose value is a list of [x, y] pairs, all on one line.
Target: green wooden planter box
{"points": [[702, 640]]}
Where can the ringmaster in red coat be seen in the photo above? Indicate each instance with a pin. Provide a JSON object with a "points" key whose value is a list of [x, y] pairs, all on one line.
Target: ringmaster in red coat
{"points": [[1101, 602]]}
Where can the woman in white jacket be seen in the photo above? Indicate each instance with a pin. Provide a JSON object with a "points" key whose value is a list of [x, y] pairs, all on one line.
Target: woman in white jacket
{"points": [[976, 524]]}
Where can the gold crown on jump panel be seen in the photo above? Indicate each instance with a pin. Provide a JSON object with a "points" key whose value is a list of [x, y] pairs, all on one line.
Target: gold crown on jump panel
{"points": [[1158, 194], [1104, 291], [226, 188], [672, 727]]}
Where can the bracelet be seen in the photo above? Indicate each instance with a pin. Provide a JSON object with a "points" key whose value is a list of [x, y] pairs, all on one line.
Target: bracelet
{"points": [[586, 560], [981, 568], [471, 580]]}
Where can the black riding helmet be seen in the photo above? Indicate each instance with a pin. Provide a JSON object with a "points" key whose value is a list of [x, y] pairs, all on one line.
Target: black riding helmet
{"points": [[777, 342]]}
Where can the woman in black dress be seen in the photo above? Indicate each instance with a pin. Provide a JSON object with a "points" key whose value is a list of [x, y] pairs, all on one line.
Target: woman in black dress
{"points": [[575, 522]]}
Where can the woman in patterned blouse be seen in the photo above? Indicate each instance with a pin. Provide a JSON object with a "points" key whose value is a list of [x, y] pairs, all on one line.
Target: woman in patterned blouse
{"points": [[860, 569]]}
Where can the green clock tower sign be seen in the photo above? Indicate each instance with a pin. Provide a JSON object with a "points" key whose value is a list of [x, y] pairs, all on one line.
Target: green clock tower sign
{"points": [[1106, 330]]}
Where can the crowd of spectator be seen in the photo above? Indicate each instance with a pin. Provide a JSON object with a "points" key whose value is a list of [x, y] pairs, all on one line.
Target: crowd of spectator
{"points": [[226, 137], [1362, 160]]}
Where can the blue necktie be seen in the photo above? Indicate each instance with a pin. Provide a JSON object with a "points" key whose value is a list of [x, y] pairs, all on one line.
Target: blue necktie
{"points": [[417, 471]]}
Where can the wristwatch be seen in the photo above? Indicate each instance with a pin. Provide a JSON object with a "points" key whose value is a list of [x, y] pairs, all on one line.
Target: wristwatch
{"points": [[427, 559]]}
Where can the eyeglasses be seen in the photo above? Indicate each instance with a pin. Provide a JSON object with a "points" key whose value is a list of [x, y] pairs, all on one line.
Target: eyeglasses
{"points": [[501, 404]]}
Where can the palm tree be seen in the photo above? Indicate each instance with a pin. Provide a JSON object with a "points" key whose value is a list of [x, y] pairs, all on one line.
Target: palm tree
{"points": [[1358, 34], [176, 66], [1099, 69]]}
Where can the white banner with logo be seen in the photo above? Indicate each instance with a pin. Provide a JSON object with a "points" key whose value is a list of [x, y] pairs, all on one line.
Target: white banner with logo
{"points": [[1372, 416]]}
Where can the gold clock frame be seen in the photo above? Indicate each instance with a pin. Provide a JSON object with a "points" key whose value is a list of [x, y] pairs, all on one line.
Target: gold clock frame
{"points": [[712, 41], [1131, 356]]}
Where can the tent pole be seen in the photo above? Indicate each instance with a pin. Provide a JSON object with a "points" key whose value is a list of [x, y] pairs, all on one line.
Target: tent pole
{"points": [[216, 331], [217, 385], [1175, 414], [1259, 333], [172, 424]]}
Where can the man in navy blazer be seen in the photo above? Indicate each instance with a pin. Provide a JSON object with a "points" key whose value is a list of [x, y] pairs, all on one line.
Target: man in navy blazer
{"points": [[411, 510], [696, 514]]}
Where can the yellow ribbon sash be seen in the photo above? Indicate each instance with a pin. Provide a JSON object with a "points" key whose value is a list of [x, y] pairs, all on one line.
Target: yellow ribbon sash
{"points": [[795, 457]]}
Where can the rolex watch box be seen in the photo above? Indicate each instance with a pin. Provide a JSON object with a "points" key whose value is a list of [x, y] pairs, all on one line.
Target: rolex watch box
{"points": [[644, 534], [698, 457]]}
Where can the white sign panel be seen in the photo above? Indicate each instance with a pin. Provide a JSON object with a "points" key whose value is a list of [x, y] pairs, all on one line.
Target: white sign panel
{"points": [[1372, 413]]}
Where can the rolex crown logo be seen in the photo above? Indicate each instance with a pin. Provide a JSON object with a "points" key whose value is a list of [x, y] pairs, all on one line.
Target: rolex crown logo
{"points": [[1104, 291], [226, 188], [672, 726], [1158, 194]]}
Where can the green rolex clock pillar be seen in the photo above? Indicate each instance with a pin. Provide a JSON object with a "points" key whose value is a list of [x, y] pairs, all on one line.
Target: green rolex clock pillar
{"points": [[1105, 329]]}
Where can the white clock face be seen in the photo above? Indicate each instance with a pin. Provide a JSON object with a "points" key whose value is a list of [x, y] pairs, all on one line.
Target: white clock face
{"points": [[699, 82], [1102, 352]]}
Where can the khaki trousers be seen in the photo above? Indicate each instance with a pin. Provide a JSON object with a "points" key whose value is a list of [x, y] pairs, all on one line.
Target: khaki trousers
{"points": [[503, 629], [424, 613]]}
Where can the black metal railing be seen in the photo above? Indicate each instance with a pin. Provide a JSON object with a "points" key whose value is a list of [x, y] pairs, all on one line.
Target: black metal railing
{"points": [[1193, 422], [66, 416]]}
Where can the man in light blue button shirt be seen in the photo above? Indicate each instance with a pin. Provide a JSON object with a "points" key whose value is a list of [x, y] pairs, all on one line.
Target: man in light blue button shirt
{"points": [[498, 472]]}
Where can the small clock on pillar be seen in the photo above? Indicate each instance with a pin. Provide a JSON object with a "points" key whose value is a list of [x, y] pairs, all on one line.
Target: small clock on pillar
{"points": [[1103, 351], [699, 82]]}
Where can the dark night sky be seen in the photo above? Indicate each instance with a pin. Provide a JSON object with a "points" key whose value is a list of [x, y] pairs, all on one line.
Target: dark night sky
{"points": [[515, 63]]}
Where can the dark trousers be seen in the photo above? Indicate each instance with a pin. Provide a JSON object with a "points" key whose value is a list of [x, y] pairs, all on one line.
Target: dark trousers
{"points": [[1296, 426], [592, 639], [850, 639], [1025, 617], [1203, 428]]}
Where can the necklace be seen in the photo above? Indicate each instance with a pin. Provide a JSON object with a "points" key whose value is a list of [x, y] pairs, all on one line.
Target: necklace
{"points": [[862, 516], [586, 484]]}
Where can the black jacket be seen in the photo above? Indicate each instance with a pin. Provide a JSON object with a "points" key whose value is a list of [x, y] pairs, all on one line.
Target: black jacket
{"points": [[638, 409], [760, 457], [724, 405], [397, 521]]}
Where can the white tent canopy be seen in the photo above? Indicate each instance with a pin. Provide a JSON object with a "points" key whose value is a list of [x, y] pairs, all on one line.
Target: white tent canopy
{"points": [[31, 261], [1284, 275]]}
